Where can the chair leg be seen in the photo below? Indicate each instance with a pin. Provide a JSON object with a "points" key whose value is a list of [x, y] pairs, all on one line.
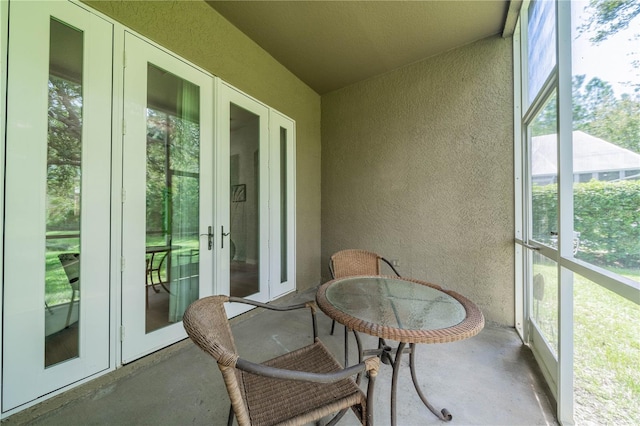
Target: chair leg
{"points": [[333, 326], [73, 296]]}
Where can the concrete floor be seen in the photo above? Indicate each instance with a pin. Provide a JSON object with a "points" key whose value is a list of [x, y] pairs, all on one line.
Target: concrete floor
{"points": [[490, 379]]}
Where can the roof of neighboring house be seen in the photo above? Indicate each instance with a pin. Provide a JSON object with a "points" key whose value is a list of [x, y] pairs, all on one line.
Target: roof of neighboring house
{"points": [[590, 154]]}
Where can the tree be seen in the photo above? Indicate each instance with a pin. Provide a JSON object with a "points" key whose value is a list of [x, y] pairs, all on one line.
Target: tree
{"points": [[547, 119], [607, 17], [64, 153], [598, 112]]}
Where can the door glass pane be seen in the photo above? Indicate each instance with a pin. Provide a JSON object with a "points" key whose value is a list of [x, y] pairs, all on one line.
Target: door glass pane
{"points": [[244, 241], [606, 139], [544, 174], [545, 299], [283, 205], [606, 356], [173, 199], [541, 45], [64, 193]]}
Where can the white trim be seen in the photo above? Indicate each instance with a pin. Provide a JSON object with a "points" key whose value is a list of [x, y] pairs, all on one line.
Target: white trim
{"points": [[565, 212], [277, 287], [544, 357], [228, 95], [117, 102], [622, 286], [519, 310], [4, 40]]}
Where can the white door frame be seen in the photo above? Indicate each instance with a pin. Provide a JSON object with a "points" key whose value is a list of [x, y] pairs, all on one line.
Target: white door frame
{"points": [[23, 337], [136, 342], [226, 96], [280, 286]]}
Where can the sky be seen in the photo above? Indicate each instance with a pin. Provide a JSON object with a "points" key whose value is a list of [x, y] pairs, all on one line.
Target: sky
{"points": [[610, 60]]}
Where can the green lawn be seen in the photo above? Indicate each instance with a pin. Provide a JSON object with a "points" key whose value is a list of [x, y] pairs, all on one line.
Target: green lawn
{"points": [[57, 288], [607, 356], [606, 349]]}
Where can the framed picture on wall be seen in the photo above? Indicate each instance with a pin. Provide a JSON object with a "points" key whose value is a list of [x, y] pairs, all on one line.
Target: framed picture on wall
{"points": [[239, 193]]}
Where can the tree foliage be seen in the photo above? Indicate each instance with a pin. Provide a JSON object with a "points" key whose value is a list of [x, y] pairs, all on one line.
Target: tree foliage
{"points": [[598, 112], [173, 163], [607, 17], [172, 167], [64, 154]]}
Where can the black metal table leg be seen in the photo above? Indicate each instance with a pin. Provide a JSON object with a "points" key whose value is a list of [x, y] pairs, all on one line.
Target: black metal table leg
{"points": [[443, 414], [394, 380], [346, 347]]}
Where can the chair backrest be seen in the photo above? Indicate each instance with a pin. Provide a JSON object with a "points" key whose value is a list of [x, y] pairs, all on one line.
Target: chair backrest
{"points": [[205, 321], [352, 262], [71, 264]]}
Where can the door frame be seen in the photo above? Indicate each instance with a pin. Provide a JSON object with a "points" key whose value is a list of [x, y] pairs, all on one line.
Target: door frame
{"points": [[116, 196], [227, 94], [278, 287], [92, 359], [4, 47], [142, 343]]}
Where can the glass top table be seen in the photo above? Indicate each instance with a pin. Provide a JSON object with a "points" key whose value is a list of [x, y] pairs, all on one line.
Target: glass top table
{"points": [[405, 310], [401, 309], [396, 303]]}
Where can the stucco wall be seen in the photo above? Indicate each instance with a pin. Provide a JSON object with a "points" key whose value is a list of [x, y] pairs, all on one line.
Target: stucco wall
{"points": [[195, 31], [417, 165]]}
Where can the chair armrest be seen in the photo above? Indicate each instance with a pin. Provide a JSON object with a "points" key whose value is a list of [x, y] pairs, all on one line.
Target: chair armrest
{"points": [[310, 304], [391, 266], [370, 364]]}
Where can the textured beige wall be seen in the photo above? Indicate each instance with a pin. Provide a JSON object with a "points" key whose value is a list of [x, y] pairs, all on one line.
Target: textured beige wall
{"points": [[417, 165], [199, 34]]}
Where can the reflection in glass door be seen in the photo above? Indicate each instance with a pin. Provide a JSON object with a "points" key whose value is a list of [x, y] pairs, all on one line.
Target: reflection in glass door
{"points": [[172, 194], [64, 193], [167, 211], [243, 195], [56, 277], [244, 227]]}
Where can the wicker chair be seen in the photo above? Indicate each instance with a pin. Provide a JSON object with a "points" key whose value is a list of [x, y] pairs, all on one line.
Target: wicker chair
{"points": [[298, 387], [352, 262]]}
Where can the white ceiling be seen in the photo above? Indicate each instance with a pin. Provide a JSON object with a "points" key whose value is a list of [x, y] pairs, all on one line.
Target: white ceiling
{"points": [[332, 44]]}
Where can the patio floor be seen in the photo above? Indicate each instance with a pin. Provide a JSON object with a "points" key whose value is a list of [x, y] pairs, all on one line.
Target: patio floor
{"points": [[490, 379]]}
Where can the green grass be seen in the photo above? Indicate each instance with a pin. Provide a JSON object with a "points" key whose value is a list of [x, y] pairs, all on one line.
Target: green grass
{"points": [[57, 288], [606, 349], [606, 356]]}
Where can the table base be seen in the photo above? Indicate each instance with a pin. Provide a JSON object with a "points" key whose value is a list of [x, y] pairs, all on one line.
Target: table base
{"points": [[385, 353]]}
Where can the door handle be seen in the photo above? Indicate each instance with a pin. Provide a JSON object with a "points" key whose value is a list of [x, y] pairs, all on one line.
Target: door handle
{"points": [[223, 235], [209, 235]]}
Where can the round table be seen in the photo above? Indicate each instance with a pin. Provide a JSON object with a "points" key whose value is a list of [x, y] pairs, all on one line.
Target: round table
{"points": [[406, 310]]}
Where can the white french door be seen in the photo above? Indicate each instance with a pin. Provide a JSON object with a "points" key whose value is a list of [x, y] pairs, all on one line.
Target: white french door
{"points": [[242, 197], [167, 242], [57, 221]]}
